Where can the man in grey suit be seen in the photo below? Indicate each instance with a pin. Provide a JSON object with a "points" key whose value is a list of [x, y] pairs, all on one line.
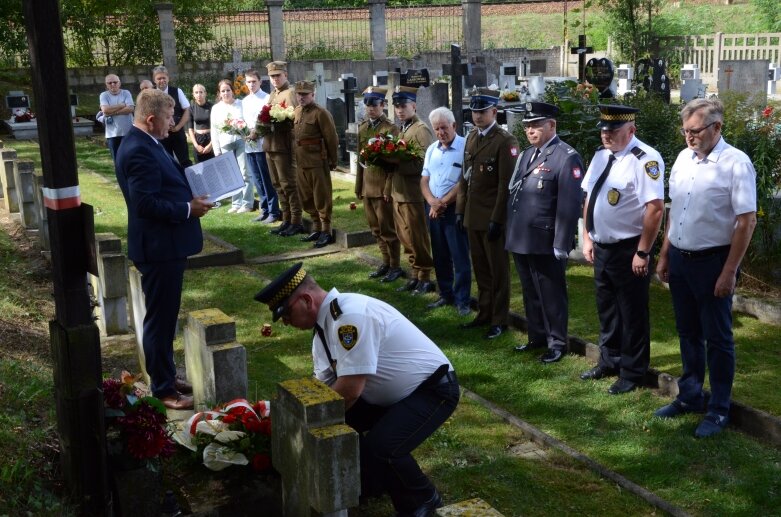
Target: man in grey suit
{"points": [[543, 208]]}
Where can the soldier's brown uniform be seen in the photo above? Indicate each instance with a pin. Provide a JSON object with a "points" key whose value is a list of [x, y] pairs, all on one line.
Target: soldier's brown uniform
{"points": [[281, 160], [488, 164], [409, 214], [316, 144], [373, 186]]}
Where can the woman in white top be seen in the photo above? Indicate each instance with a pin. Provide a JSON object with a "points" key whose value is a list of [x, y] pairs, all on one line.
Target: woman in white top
{"points": [[229, 107]]}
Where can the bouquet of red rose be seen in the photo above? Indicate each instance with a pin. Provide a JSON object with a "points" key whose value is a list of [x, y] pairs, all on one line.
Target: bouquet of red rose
{"points": [[236, 433], [235, 126], [383, 150], [135, 426], [277, 117]]}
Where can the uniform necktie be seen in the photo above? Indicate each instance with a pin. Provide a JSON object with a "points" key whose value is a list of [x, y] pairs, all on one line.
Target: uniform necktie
{"points": [[592, 200], [535, 155]]}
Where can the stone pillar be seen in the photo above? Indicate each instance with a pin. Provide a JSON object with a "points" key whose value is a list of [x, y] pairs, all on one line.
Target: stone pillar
{"points": [[43, 218], [377, 29], [471, 25], [25, 187], [8, 157], [165, 17], [138, 310], [110, 286], [313, 450], [276, 29], [216, 364]]}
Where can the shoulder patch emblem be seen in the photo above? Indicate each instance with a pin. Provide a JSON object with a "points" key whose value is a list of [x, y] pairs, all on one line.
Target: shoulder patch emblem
{"points": [[514, 151], [576, 173], [348, 336], [652, 169]]}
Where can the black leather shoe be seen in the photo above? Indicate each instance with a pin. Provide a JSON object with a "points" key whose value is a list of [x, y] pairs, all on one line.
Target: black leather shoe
{"points": [[598, 372], [393, 274], [281, 228], [529, 347], [424, 286], [441, 302], [312, 237], [409, 286], [293, 229], [494, 331], [473, 324], [428, 508], [551, 356], [324, 240], [622, 386], [380, 271]]}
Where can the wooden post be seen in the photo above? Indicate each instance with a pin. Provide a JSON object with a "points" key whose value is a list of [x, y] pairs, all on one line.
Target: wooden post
{"points": [[74, 336]]}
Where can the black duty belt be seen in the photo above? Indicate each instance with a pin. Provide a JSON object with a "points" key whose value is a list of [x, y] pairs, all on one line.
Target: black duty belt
{"points": [[707, 252], [441, 375], [624, 243]]}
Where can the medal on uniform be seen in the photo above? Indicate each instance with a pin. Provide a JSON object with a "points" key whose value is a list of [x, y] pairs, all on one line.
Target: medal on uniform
{"points": [[613, 195], [540, 184]]}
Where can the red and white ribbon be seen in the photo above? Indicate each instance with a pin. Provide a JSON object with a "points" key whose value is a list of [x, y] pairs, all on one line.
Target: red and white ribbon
{"points": [[62, 198]]}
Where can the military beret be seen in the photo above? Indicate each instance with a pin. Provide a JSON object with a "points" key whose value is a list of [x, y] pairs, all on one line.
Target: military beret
{"points": [[613, 116], [304, 87], [404, 94], [539, 111], [276, 67], [276, 293], [483, 98]]}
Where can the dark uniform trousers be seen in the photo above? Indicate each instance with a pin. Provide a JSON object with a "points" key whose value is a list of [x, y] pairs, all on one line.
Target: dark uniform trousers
{"points": [[622, 305], [388, 435], [315, 192], [492, 274], [379, 214], [282, 167], [411, 223], [544, 286]]}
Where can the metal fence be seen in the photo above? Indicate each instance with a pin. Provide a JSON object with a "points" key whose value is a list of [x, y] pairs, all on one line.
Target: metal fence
{"points": [[412, 30]]}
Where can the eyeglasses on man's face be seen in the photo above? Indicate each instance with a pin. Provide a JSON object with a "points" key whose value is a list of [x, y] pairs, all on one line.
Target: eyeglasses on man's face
{"points": [[695, 132]]}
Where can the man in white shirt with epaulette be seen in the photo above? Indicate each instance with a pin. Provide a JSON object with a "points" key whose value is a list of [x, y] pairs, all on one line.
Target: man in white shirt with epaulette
{"points": [[624, 185], [712, 218]]}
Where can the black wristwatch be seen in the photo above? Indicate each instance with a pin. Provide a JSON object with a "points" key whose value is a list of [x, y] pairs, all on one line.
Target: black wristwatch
{"points": [[643, 254]]}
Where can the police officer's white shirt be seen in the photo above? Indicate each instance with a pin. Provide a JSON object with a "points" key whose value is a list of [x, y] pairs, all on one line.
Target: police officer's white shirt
{"points": [[377, 341], [633, 179], [251, 106], [444, 166], [707, 196]]}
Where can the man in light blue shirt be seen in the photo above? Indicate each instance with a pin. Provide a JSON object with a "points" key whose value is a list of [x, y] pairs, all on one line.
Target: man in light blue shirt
{"points": [[442, 169]]}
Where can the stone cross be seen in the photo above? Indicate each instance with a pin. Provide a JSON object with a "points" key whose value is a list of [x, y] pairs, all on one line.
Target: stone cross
{"points": [[216, 363], [729, 71], [581, 50], [314, 451], [457, 70], [236, 66]]}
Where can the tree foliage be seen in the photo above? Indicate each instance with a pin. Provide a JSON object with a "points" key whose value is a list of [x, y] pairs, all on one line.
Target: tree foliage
{"points": [[632, 25]]}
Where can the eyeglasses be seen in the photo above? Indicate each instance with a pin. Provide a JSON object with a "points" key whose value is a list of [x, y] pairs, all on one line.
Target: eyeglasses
{"points": [[695, 132], [288, 307], [534, 125], [112, 82]]}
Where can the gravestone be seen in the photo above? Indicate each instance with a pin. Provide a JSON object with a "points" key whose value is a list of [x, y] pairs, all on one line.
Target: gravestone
{"points": [[746, 76], [216, 363], [319, 76], [470, 508], [653, 74], [315, 453], [691, 84], [431, 98], [237, 66], [508, 73], [457, 70], [599, 72], [25, 186], [337, 109], [109, 288], [478, 76], [624, 74], [380, 78], [138, 312], [415, 78], [40, 207], [582, 50], [7, 165], [773, 75]]}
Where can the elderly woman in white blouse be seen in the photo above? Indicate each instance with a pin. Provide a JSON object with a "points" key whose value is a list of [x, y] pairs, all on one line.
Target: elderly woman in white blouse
{"points": [[229, 107]]}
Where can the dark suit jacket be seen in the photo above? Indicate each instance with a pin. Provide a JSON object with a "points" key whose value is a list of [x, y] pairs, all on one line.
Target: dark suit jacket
{"points": [[544, 201], [156, 193]]}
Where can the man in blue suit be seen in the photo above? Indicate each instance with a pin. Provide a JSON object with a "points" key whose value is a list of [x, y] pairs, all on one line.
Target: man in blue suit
{"points": [[163, 230]]}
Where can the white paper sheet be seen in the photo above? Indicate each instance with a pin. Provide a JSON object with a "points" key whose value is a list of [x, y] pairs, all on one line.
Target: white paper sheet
{"points": [[218, 177]]}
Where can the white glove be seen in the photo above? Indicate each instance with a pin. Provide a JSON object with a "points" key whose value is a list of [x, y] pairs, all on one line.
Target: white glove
{"points": [[560, 254]]}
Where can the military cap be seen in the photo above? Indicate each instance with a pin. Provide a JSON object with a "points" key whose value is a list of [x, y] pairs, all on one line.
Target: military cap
{"points": [[276, 67], [374, 95], [404, 94], [613, 116], [276, 293], [304, 87], [539, 111], [483, 99]]}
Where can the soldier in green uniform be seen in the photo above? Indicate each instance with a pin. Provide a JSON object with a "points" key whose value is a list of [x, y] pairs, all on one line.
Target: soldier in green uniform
{"points": [[373, 186], [281, 159], [316, 156], [489, 160], [409, 213]]}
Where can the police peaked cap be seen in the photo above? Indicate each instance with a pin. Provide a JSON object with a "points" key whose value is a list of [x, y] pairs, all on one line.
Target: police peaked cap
{"points": [[276, 293], [613, 116], [540, 111]]}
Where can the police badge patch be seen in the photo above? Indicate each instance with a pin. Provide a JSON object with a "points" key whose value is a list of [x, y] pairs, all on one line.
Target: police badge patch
{"points": [[348, 336], [652, 169], [613, 196]]}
